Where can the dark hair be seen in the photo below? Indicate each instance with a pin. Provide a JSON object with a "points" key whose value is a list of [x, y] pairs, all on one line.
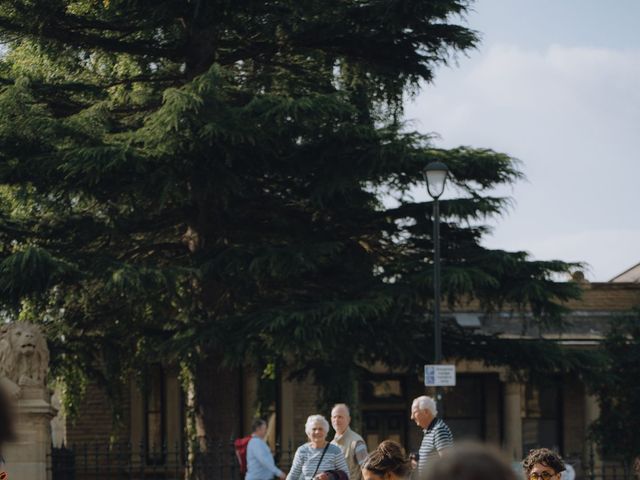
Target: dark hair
{"points": [[6, 418], [544, 456], [389, 457], [470, 461], [257, 423]]}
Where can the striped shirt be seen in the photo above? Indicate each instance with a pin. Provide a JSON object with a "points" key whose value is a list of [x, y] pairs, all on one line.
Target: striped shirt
{"points": [[437, 437], [306, 460]]}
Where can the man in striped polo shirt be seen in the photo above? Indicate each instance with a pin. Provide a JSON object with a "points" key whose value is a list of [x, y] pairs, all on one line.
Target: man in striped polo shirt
{"points": [[437, 436]]}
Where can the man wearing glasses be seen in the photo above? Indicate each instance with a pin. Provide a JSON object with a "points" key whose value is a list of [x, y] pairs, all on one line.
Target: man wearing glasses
{"points": [[543, 464]]}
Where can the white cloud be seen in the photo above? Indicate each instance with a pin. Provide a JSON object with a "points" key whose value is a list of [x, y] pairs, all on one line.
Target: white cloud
{"points": [[606, 251], [572, 115]]}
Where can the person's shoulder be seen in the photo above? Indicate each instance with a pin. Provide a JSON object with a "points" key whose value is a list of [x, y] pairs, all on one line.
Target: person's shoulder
{"points": [[357, 436], [333, 448], [254, 443], [441, 424], [304, 448]]}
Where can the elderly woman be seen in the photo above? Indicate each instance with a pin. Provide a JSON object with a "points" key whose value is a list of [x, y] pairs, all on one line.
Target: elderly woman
{"points": [[318, 459]]}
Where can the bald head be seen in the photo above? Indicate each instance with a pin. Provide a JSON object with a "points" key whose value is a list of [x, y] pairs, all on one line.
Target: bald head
{"points": [[340, 418]]}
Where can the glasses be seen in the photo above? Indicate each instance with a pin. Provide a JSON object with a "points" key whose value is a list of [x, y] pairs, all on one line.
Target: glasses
{"points": [[541, 476]]}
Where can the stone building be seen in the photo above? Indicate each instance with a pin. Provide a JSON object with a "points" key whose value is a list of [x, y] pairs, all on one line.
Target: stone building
{"points": [[486, 404]]}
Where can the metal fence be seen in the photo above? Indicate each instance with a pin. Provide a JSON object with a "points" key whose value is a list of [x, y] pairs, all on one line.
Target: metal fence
{"points": [[100, 461], [218, 461], [605, 469], [610, 471]]}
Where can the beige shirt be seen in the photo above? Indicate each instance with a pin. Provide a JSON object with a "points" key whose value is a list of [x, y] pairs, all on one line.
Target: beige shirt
{"points": [[354, 449]]}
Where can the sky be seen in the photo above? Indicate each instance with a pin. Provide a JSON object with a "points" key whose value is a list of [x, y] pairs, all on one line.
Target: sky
{"points": [[555, 84]]}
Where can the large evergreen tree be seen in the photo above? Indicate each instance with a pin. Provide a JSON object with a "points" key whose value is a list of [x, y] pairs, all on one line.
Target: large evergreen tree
{"points": [[617, 430], [203, 180]]}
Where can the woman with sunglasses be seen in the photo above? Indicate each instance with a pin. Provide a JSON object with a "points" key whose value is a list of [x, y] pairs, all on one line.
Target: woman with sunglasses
{"points": [[543, 464]]}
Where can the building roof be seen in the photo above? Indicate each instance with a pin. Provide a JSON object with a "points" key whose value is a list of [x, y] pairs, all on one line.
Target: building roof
{"points": [[597, 296], [630, 275], [588, 319]]}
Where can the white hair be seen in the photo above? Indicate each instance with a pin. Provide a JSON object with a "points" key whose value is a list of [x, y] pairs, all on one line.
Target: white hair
{"points": [[426, 403], [341, 405], [312, 420]]}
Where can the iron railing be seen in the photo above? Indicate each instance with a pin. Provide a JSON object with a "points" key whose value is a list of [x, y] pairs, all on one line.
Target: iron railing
{"points": [[102, 461], [218, 461], [606, 469]]}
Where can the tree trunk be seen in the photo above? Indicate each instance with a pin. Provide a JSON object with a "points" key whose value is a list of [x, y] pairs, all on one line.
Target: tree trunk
{"points": [[217, 414]]}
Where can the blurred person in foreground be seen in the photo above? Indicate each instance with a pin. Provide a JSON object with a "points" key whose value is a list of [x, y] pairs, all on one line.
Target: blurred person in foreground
{"points": [[543, 464], [6, 420], [387, 462], [470, 461]]}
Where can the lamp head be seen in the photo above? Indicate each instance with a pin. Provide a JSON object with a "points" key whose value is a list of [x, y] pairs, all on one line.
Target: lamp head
{"points": [[435, 174]]}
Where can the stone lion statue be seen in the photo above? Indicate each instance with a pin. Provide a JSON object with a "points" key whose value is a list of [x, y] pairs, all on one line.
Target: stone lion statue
{"points": [[24, 356]]}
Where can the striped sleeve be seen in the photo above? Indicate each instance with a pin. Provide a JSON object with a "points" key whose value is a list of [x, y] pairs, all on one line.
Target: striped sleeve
{"points": [[309, 461], [295, 473], [360, 452], [443, 438]]}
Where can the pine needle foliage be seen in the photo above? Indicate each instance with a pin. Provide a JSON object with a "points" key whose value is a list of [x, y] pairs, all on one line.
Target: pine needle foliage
{"points": [[614, 384], [186, 180]]}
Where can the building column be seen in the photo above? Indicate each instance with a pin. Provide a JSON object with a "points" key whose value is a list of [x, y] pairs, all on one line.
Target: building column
{"points": [[286, 422], [174, 411], [249, 398], [591, 414], [136, 418], [512, 420]]}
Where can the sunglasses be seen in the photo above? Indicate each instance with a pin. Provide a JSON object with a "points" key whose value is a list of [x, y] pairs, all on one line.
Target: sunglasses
{"points": [[541, 476]]}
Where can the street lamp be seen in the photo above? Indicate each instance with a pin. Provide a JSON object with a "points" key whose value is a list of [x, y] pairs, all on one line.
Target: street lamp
{"points": [[436, 174]]}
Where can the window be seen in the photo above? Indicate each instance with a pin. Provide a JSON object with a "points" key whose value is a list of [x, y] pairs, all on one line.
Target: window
{"points": [[154, 416], [541, 426], [464, 407], [384, 409], [383, 425], [382, 390]]}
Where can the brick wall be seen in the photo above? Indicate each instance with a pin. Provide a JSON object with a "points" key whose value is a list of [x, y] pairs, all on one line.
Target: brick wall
{"points": [[305, 401], [598, 296], [608, 297], [95, 422]]}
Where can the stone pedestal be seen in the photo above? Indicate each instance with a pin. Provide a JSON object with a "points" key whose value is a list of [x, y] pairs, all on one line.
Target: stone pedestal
{"points": [[29, 456]]}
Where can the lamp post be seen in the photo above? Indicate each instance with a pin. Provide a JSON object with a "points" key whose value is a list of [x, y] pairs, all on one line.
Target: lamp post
{"points": [[436, 174]]}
